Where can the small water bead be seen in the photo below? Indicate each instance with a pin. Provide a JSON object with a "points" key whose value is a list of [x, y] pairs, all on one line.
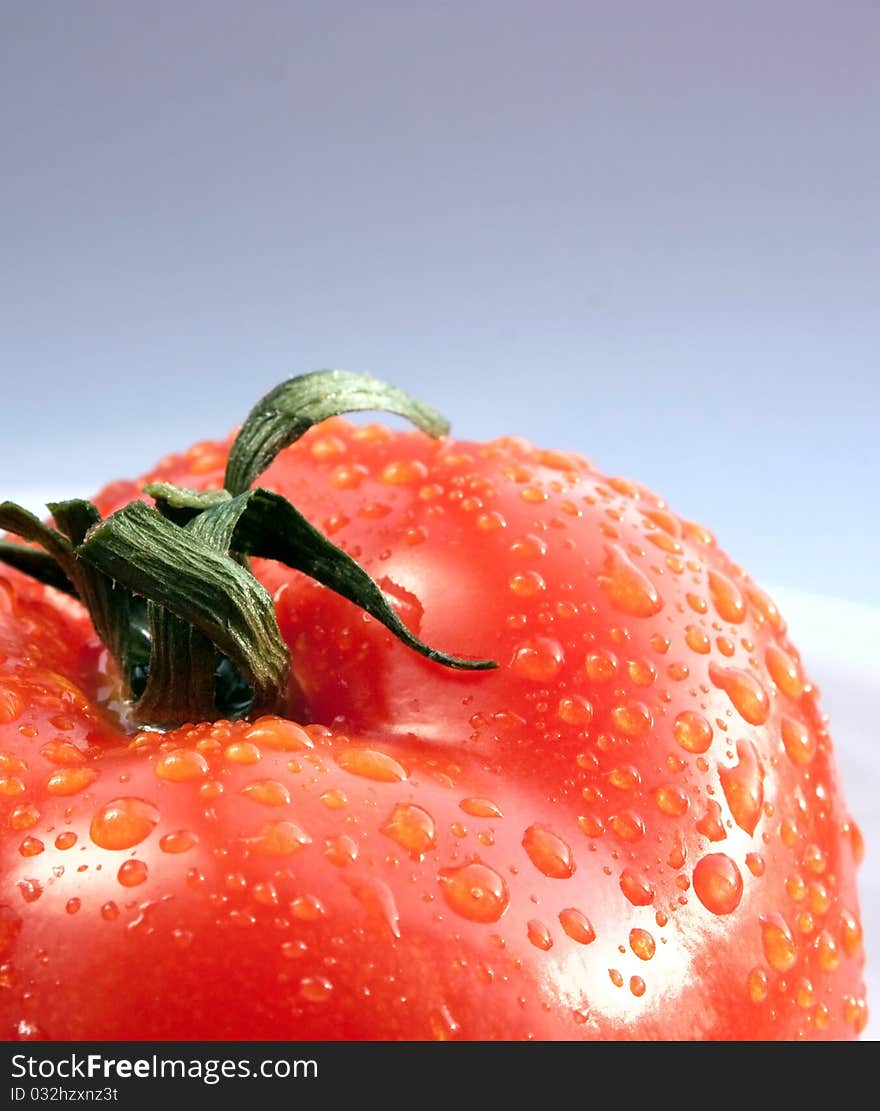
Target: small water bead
{"points": [[62, 753], [526, 584], [12, 785], [672, 800], [692, 731], [627, 587], [601, 666], [641, 672], [307, 908], [539, 660], [132, 873], [65, 840], [268, 792], [243, 752], [725, 646], [577, 926], [726, 597], [73, 905], [827, 951], [755, 864], [316, 989], [616, 977], [765, 607], [548, 852], [636, 889], [784, 672], [819, 897], [181, 765], [758, 985], [745, 692], [179, 841], [404, 472], [625, 777], [628, 826], [575, 710], [539, 935], [334, 799], [348, 476], [711, 824], [11, 705], [850, 933], [70, 781], [475, 891], [697, 640], [123, 823], [342, 850], [633, 719], [370, 763], [642, 944], [743, 787], [279, 838], [799, 742], [279, 735], [412, 828], [444, 1027], [480, 808], [31, 846], [591, 824], [718, 883], [780, 947], [697, 603]]}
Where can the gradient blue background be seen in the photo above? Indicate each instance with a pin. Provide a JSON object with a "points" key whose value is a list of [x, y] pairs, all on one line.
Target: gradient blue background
{"points": [[648, 232], [644, 231]]}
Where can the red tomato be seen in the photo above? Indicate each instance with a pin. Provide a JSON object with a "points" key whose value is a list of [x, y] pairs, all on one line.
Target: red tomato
{"points": [[633, 829]]}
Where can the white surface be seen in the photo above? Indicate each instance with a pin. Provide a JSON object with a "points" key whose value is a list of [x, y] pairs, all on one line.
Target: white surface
{"points": [[839, 642]]}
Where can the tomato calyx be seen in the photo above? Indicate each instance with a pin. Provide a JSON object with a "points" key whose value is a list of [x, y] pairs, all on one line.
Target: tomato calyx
{"points": [[168, 587]]}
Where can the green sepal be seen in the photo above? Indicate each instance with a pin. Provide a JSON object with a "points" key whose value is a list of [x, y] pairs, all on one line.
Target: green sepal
{"points": [[289, 410]]}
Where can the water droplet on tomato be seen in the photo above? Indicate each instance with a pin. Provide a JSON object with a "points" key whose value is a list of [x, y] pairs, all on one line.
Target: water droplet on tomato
{"points": [[539, 660], [412, 828], [181, 765], [743, 787], [279, 735], [577, 926], [718, 883], [548, 852], [745, 692], [179, 841], [243, 752], [31, 846], [269, 792], [784, 672], [372, 764], [632, 719], [475, 891], [444, 1027], [798, 740], [728, 601], [692, 731], [780, 947], [480, 808], [637, 889], [70, 781], [281, 838], [627, 587], [642, 944], [539, 935], [122, 823], [132, 873], [316, 989]]}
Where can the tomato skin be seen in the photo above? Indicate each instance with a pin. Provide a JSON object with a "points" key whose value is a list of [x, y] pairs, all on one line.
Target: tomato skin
{"points": [[643, 797]]}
